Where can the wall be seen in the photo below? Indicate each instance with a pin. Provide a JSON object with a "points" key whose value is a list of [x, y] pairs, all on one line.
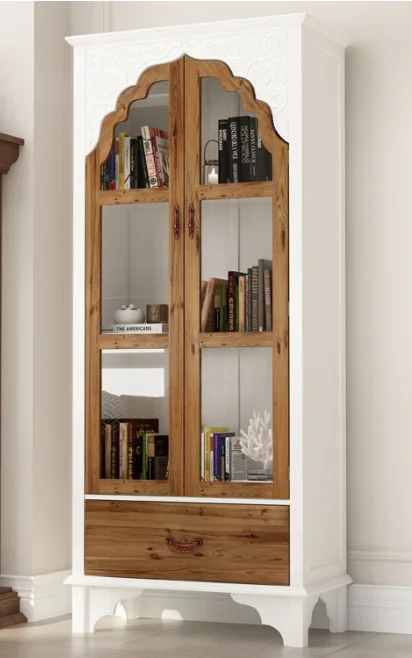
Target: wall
{"points": [[35, 103], [379, 268]]}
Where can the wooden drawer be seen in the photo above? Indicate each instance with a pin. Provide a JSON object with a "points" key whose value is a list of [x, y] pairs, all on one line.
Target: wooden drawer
{"points": [[179, 541]]}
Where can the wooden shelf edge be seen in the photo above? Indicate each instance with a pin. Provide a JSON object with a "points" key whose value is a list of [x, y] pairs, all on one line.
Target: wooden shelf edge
{"points": [[133, 341], [257, 189], [236, 490], [141, 195], [236, 340], [133, 487]]}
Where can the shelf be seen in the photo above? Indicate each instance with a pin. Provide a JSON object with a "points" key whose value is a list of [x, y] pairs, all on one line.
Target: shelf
{"points": [[141, 195], [236, 489], [133, 341], [236, 190], [134, 487], [235, 339]]}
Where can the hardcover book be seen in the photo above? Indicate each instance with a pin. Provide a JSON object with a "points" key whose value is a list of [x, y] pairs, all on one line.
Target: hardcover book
{"points": [[207, 316], [244, 149], [262, 265], [234, 155], [254, 298], [253, 148], [223, 152], [149, 156]]}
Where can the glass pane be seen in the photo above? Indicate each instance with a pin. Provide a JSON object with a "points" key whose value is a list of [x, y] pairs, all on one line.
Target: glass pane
{"points": [[135, 261], [140, 151], [134, 414], [236, 257], [236, 384], [236, 153]]}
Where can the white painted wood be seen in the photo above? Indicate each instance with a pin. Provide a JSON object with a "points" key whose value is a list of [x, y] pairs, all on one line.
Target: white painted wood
{"points": [[190, 499], [287, 60], [43, 596]]}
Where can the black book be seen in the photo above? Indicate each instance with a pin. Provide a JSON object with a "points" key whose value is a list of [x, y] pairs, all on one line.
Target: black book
{"points": [[263, 159], [253, 148], [244, 149], [234, 149], [223, 152], [133, 164], [142, 173]]}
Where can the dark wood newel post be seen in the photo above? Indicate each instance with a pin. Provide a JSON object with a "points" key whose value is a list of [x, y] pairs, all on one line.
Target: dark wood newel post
{"points": [[9, 152]]}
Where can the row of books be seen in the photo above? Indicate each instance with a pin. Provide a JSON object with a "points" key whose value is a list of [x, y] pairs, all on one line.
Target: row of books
{"points": [[137, 161], [133, 450], [242, 302], [242, 155], [222, 458]]}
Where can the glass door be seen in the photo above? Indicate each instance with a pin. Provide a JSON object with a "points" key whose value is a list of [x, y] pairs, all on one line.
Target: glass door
{"points": [[236, 291], [134, 292]]}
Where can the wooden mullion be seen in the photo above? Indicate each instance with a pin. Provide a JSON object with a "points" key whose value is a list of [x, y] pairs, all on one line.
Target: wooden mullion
{"points": [[192, 278], [176, 277], [93, 300]]}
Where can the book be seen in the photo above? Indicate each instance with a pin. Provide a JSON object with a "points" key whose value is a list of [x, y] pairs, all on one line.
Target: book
{"points": [[254, 298], [247, 302], [122, 138], [202, 457], [234, 156], [162, 151], [108, 450], [208, 432], [136, 427], [244, 149], [117, 161], [220, 439], [149, 156], [263, 159], [133, 164], [142, 173], [227, 458], [262, 265], [207, 315], [238, 461], [223, 156], [102, 473], [127, 162], [124, 431], [253, 148], [231, 311], [129, 467], [242, 302], [137, 329], [223, 307], [144, 456], [249, 299], [160, 467], [217, 309], [268, 299], [203, 287]]}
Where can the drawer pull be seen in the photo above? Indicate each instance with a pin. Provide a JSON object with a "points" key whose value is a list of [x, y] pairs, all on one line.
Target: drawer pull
{"points": [[183, 545]]}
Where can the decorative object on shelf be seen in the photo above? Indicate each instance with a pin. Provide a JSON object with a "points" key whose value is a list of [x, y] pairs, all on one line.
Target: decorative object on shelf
{"points": [[128, 315], [157, 313], [258, 442], [210, 167]]}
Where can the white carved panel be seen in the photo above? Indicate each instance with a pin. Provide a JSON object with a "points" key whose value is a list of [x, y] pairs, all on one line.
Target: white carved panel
{"points": [[260, 57]]}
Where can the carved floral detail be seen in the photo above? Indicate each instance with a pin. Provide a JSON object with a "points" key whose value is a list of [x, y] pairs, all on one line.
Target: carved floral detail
{"points": [[262, 59]]}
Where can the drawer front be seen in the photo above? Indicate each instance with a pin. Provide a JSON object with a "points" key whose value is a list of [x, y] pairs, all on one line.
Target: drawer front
{"points": [[179, 541]]}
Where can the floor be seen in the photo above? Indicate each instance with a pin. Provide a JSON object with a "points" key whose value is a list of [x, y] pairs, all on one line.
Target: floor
{"points": [[146, 638]]}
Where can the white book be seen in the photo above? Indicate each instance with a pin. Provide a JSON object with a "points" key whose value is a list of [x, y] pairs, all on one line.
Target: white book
{"points": [[127, 163], [137, 329]]}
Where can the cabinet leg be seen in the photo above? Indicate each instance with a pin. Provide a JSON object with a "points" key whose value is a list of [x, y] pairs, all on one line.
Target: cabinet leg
{"points": [[336, 609], [89, 604], [290, 616]]}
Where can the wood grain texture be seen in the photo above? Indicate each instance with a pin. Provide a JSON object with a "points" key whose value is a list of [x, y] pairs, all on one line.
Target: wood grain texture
{"points": [[236, 340], [133, 341], [9, 151], [141, 195], [192, 279], [93, 355], [256, 189], [176, 277], [134, 487], [129, 539], [280, 314], [136, 92], [236, 489]]}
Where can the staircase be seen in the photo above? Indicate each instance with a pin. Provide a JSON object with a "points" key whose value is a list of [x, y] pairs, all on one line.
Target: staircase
{"points": [[10, 608]]}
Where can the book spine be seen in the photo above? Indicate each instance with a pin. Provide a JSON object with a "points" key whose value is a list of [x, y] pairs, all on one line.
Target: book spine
{"points": [[143, 175], [112, 185], [127, 163], [122, 451], [216, 461], [231, 315], [144, 457], [254, 298], [247, 302], [207, 305], [138, 455], [261, 295], [217, 310], [223, 152], [212, 466], [117, 164], [129, 473], [108, 450], [133, 165], [234, 170], [102, 473], [268, 299], [222, 458], [202, 457], [253, 148], [150, 468], [242, 303], [244, 149], [115, 449], [227, 458], [155, 150], [160, 468], [150, 161], [263, 159], [223, 308], [249, 307], [207, 458], [237, 303], [122, 138]]}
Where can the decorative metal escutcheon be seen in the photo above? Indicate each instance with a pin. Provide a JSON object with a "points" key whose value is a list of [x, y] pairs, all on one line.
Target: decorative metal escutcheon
{"points": [[191, 223], [183, 545], [176, 227]]}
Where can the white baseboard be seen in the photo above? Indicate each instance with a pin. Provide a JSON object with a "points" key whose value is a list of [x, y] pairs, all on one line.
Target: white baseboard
{"points": [[41, 597], [378, 609]]}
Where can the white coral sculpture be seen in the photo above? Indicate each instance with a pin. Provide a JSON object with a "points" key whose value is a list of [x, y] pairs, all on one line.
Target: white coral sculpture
{"points": [[258, 442]]}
